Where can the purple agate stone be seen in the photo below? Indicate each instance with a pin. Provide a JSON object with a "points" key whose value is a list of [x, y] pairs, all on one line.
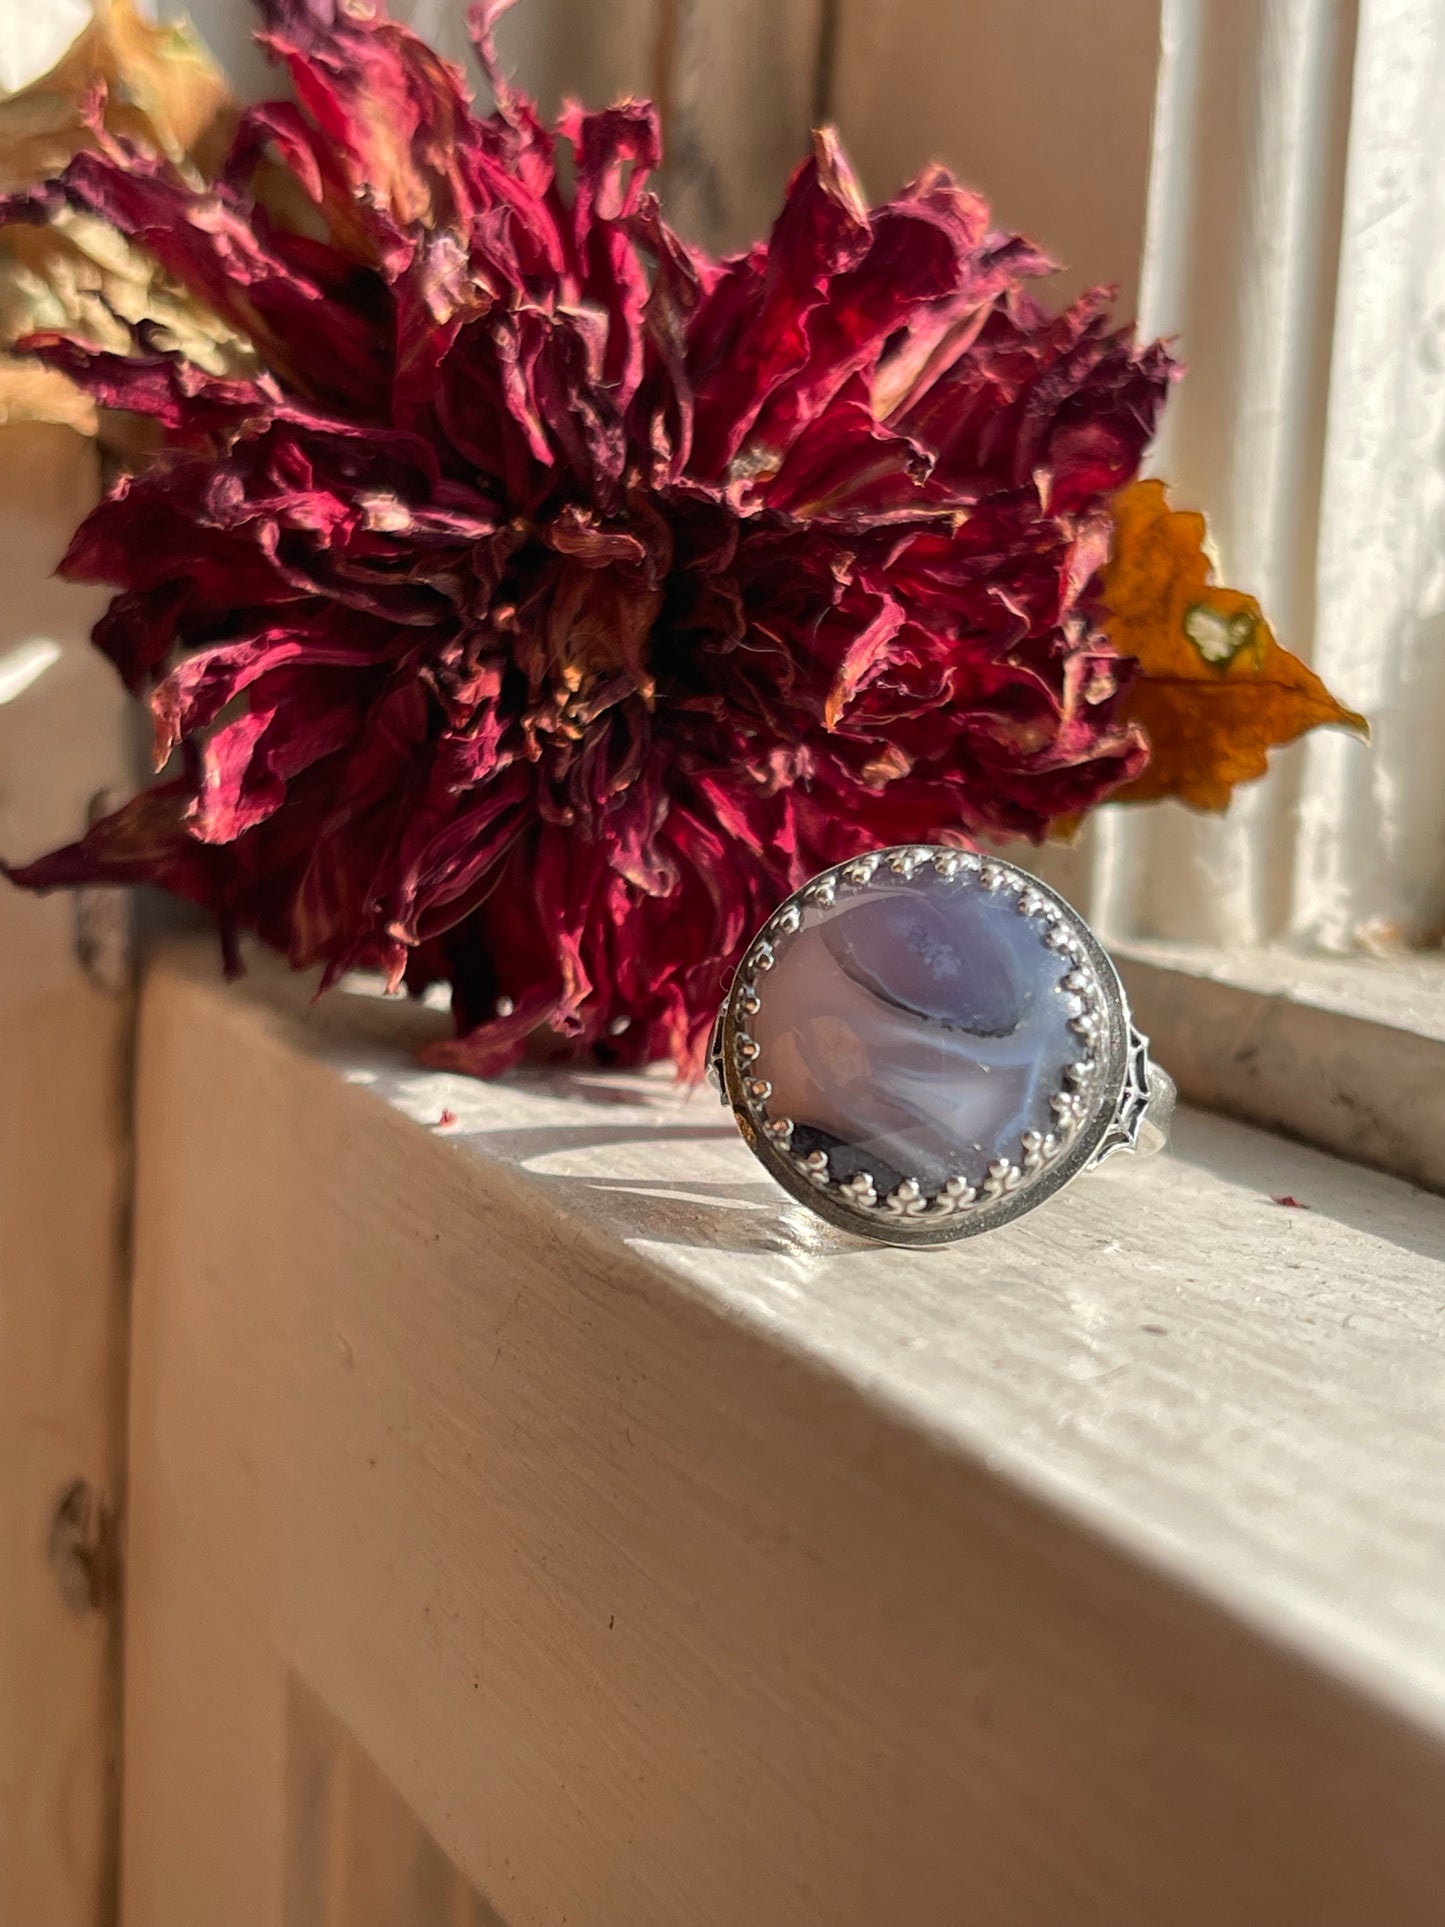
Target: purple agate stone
{"points": [[915, 1029]]}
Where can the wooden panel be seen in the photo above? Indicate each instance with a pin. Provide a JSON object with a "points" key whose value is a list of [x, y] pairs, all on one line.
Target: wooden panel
{"points": [[573, 47], [673, 1560], [63, 1183], [1045, 106], [737, 85]]}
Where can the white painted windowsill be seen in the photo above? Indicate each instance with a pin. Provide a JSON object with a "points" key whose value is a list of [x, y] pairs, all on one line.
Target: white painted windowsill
{"points": [[1117, 1535], [1347, 1053]]}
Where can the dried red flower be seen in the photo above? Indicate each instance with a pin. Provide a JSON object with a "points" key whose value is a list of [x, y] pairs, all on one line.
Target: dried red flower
{"points": [[558, 599]]}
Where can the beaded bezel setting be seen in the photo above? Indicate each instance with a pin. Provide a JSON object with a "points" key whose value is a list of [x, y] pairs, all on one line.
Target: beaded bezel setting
{"points": [[1095, 1110]]}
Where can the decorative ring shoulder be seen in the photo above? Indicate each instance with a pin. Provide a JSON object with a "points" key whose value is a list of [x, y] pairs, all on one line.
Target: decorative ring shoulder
{"points": [[923, 1043]]}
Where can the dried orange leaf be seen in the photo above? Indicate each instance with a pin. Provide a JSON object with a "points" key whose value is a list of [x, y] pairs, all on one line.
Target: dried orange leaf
{"points": [[162, 90], [78, 275], [1215, 692]]}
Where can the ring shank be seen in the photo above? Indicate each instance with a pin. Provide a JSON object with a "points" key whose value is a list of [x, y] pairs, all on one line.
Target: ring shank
{"points": [[1158, 1113]]}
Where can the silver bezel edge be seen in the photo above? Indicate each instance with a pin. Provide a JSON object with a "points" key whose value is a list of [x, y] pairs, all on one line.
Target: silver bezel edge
{"points": [[1012, 1187]]}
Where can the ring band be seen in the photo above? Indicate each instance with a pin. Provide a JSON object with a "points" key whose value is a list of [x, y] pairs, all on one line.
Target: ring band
{"points": [[923, 1043]]}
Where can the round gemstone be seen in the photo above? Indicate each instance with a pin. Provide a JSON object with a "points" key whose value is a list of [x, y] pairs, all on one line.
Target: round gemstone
{"points": [[915, 1028]]}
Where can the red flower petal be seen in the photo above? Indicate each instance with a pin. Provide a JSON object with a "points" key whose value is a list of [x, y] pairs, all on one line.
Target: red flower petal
{"points": [[557, 598]]}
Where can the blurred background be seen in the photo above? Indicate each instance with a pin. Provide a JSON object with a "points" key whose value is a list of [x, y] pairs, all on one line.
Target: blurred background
{"points": [[741, 82], [1258, 178]]}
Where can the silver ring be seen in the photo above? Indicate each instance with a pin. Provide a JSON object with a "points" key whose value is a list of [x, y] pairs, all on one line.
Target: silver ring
{"points": [[924, 1043]]}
